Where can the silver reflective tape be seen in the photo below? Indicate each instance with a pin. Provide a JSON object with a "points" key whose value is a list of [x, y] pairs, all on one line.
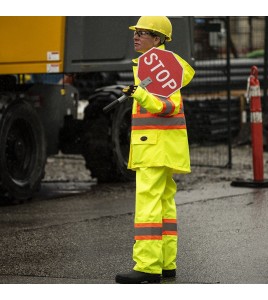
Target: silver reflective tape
{"points": [[169, 226], [256, 117], [148, 231], [255, 91], [158, 121], [169, 108]]}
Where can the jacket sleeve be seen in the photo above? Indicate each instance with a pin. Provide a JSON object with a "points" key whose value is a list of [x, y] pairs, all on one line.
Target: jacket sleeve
{"points": [[158, 105], [148, 101], [188, 71]]}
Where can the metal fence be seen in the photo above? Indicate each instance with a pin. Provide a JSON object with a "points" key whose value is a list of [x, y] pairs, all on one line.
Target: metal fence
{"points": [[215, 104]]}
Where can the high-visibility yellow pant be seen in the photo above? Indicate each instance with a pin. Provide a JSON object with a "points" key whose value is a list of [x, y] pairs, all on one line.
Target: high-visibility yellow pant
{"points": [[156, 239]]}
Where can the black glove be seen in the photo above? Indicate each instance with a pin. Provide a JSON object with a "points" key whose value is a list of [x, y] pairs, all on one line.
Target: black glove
{"points": [[129, 90]]}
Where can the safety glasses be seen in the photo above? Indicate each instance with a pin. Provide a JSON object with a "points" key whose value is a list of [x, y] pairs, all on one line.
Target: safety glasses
{"points": [[143, 33]]}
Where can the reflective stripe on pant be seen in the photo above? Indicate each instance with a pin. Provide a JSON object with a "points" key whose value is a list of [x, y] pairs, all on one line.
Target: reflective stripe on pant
{"points": [[156, 238]]}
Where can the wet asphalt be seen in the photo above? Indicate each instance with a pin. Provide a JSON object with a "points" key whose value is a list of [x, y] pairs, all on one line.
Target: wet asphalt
{"points": [[84, 235]]}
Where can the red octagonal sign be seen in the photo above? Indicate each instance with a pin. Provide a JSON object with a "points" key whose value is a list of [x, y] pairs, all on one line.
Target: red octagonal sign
{"points": [[164, 70]]}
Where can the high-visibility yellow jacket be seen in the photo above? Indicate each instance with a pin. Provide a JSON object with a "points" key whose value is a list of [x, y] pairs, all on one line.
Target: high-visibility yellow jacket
{"points": [[159, 135]]}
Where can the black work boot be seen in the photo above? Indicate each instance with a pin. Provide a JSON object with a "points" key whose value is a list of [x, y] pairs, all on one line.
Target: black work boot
{"points": [[169, 273], [137, 277]]}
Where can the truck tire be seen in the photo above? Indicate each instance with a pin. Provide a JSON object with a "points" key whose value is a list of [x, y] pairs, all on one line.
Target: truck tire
{"points": [[106, 137], [22, 151]]}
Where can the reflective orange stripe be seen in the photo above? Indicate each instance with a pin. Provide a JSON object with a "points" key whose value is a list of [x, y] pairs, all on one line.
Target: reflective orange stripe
{"points": [[169, 227], [168, 107], [158, 127], [170, 221], [154, 116], [169, 232], [164, 120], [148, 237], [155, 231], [137, 225], [167, 110], [148, 231]]}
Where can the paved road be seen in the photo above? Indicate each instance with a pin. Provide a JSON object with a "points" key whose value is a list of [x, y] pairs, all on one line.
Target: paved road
{"points": [[87, 237]]}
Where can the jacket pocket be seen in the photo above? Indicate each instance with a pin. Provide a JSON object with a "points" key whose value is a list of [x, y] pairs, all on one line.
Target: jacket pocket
{"points": [[144, 139]]}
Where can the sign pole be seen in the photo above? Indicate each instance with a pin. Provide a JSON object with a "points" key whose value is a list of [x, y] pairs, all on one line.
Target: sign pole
{"points": [[123, 98]]}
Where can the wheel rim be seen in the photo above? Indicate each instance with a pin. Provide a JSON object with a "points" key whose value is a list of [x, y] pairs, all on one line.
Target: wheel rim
{"points": [[20, 149]]}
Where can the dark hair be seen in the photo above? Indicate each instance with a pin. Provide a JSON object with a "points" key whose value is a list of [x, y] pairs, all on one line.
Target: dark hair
{"points": [[159, 34]]}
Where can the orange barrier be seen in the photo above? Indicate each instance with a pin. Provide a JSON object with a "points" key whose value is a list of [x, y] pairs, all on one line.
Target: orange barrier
{"points": [[254, 96]]}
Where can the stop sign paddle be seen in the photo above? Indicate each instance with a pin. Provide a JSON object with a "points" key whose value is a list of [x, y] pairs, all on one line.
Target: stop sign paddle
{"points": [[163, 68], [159, 72]]}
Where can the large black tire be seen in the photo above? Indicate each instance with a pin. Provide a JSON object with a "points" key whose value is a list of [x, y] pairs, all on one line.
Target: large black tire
{"points": [[106, 138], [22, 151]]}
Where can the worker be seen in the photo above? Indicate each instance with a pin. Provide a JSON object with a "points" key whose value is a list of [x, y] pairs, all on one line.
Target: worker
{"points": [[158, 149]]}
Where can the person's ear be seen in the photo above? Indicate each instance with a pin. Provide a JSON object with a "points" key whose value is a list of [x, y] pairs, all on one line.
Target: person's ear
{"points": [[157, 40]]}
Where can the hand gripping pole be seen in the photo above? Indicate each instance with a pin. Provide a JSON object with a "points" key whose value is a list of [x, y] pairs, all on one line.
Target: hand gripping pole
{"points": [[123, 98]]}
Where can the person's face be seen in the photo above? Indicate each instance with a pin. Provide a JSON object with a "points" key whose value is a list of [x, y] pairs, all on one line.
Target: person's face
{"points": [[144, 41]]}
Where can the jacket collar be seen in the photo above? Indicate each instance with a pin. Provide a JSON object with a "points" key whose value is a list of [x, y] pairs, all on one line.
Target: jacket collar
{"points": [[162, 47]]}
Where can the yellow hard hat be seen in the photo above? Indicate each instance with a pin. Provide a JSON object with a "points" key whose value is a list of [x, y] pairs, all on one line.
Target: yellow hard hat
{"points": [[156, 24]]}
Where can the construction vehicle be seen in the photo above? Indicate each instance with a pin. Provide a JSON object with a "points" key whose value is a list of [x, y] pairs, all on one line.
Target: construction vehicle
{"points": [[38, 109]]}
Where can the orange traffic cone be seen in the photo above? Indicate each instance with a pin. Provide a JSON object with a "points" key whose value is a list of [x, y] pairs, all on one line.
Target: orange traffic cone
{"points": [[254, 96]]}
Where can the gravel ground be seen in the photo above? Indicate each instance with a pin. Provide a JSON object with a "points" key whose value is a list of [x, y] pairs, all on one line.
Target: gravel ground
{"points": [[72, 168]]}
